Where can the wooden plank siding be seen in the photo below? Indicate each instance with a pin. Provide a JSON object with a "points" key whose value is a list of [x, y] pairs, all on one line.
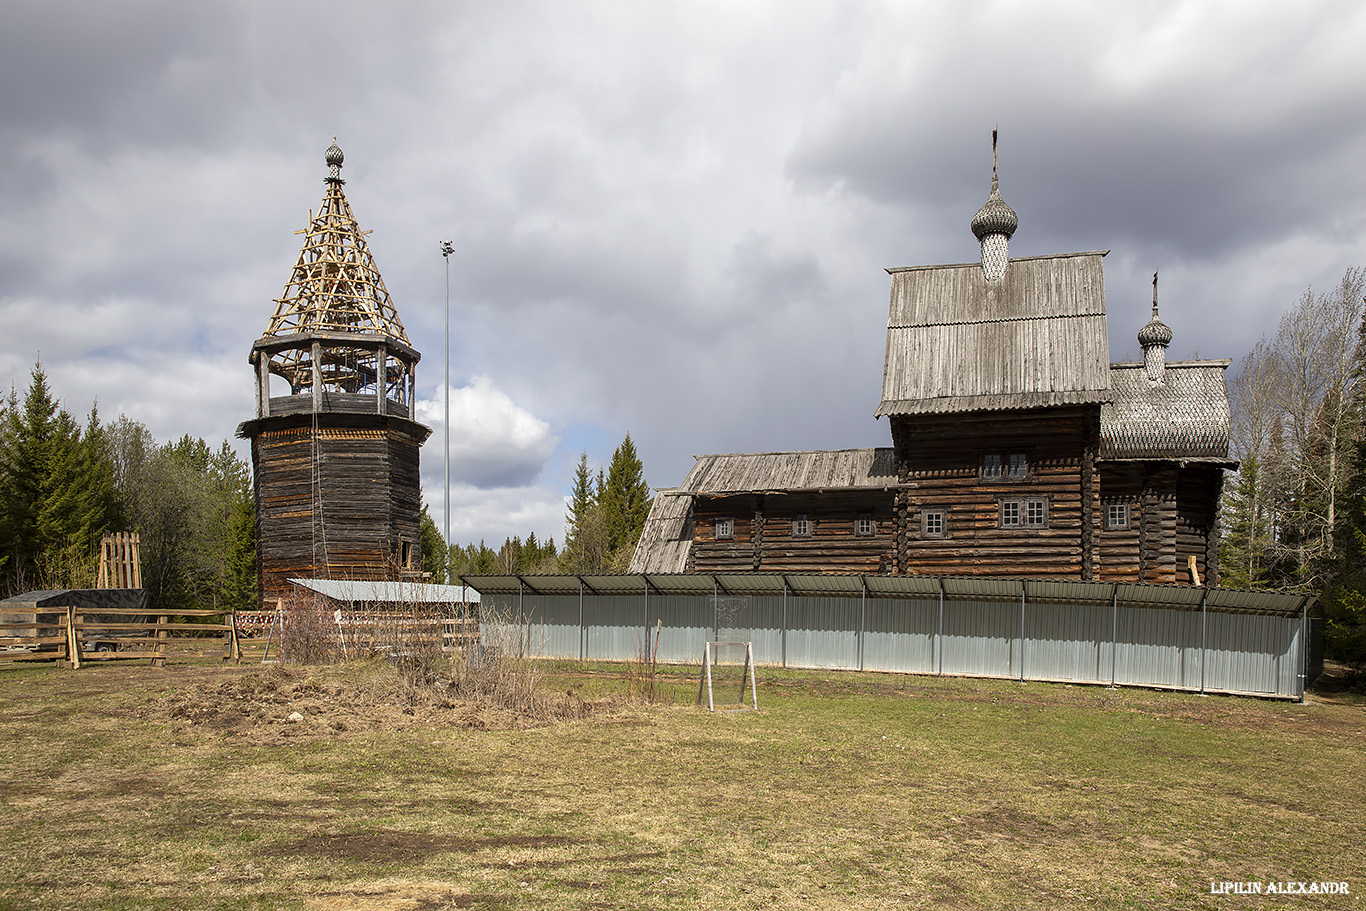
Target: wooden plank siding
{"points": [[367, 484], [764, 540], [941, 462]]}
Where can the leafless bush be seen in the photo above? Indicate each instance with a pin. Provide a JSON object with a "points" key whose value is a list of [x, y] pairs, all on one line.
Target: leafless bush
{"points": [[499, 667], [309, 633], [641, 682]]}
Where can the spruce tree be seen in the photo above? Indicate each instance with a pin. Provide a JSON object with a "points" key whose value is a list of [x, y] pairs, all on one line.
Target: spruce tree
{"points": [[434, 552], [625, 503]]}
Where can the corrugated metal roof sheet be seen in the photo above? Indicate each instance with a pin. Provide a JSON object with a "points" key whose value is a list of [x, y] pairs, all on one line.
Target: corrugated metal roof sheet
{"points": [[389, 592], [1178, 597], [956, 342], [1184, 417]]}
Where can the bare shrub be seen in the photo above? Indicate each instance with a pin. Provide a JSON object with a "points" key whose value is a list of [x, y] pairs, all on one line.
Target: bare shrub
{"points": [[499, 668], [642, 684], [309, 633]]}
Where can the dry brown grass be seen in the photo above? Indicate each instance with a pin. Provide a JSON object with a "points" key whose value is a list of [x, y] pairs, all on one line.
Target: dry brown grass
{"points": [[129, 787]]}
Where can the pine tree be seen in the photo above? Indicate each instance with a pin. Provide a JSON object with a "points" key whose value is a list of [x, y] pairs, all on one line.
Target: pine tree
{"points": [[56, 492], [625, 503], [585, 543], [434, 552]]}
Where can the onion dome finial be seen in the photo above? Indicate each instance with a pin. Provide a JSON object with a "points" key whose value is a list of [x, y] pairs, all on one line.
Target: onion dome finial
{"points": [[334, 159], [995, 217], [1155, 332]]}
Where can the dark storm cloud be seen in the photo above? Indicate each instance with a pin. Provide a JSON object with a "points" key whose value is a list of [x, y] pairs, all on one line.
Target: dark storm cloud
{"points": [[669, 219]]}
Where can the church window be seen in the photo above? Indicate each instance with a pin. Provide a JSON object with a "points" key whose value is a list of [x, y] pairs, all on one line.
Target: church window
{"points": [[1117, 515], [932, 523], [725, 528], [864, 527], [801, 527]]}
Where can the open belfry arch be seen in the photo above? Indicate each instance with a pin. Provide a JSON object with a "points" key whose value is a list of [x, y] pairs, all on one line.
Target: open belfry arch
{"points": [[334, 443]]}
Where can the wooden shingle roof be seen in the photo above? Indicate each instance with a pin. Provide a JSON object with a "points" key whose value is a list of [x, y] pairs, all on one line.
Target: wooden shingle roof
{"points": [[1186, 416], [957, 342], [757, 472], [666, 538]]}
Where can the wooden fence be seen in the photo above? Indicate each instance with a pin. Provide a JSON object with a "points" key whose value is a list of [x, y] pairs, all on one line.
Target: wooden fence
{"points": [[35, 633], [75, 635]]}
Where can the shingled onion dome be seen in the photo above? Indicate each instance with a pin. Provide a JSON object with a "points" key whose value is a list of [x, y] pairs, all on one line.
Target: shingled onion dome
{"points": [[993, 225], [334, 159], [1154, 337]]}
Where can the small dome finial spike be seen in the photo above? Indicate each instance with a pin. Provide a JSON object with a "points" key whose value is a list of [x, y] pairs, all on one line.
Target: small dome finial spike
{"points": [[1154, 292], [995, 184]]}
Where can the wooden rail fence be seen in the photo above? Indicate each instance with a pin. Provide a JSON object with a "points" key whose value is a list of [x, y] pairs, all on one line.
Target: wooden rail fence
{"points": [[74, 635]]}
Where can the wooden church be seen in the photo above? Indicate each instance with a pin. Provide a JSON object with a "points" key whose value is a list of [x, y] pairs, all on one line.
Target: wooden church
{"points": [[334, 444], [1017, 450]]}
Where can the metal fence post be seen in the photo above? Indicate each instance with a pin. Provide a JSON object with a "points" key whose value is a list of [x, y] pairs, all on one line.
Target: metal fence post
{"points": [[647, 613], [1022, 630], [1114, 637], [1204, 623], [784, 622], [862, 618], [583, 630], [941, 627]]}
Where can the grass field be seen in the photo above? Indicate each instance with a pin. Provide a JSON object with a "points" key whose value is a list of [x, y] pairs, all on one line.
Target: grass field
{"points": [[185, 787]]}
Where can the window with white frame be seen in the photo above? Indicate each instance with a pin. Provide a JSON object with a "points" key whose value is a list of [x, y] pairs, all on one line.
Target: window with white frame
{"points": [[932, 523], [1117, 515], [1030, 512], [725, 528], [864, 527], [801, 527]]}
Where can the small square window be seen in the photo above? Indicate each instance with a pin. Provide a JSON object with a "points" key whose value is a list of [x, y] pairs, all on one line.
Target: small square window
{"points": [[991, 465], [1019, 465], [1010, 513], [801, 527], [932, 523], [864, 527], [1117, 515], [725, 528], [1034, 513]]}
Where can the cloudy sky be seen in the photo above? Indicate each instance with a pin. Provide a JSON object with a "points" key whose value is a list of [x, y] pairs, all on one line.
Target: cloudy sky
{"points": [[670, 219]]}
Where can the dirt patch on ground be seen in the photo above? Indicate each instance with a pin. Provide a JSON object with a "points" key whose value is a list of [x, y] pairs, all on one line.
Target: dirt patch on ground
{"points": [[281, 704]]}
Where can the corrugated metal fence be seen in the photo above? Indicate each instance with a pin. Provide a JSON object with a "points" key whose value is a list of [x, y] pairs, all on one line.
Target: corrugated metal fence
{"points": [[1206, 640]]}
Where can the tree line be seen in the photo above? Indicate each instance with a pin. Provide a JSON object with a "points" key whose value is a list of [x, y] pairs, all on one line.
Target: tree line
{"points": [[64, 484], [607, 511], [1294, 514]]}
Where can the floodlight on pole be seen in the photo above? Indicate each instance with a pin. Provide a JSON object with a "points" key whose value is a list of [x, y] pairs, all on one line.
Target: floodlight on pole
{"points": [[446, 250]]}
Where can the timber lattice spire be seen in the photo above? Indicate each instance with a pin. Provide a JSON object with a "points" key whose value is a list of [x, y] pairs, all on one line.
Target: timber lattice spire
{"points": [[335, 286]]}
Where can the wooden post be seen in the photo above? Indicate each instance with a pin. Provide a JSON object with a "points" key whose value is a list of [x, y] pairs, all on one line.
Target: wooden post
{"points": [[262, 384], [315, 354], [159, 658], [234, 649], [73, 646], [381, 379]]}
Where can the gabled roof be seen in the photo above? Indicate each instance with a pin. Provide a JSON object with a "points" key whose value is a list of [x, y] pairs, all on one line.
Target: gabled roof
{"points": [[667, 537], [758, 472], [957, 342], [1186, 416]]}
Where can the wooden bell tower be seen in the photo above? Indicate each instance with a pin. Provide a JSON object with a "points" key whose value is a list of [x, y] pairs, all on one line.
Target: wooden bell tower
{"points": [[334, 444]]}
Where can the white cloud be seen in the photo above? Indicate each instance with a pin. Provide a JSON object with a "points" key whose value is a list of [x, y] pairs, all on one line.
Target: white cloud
{"points": [[494, 441]]}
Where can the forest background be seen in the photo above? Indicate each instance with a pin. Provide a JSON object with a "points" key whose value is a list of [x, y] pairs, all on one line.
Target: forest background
{"points": [[1293, 514]]}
